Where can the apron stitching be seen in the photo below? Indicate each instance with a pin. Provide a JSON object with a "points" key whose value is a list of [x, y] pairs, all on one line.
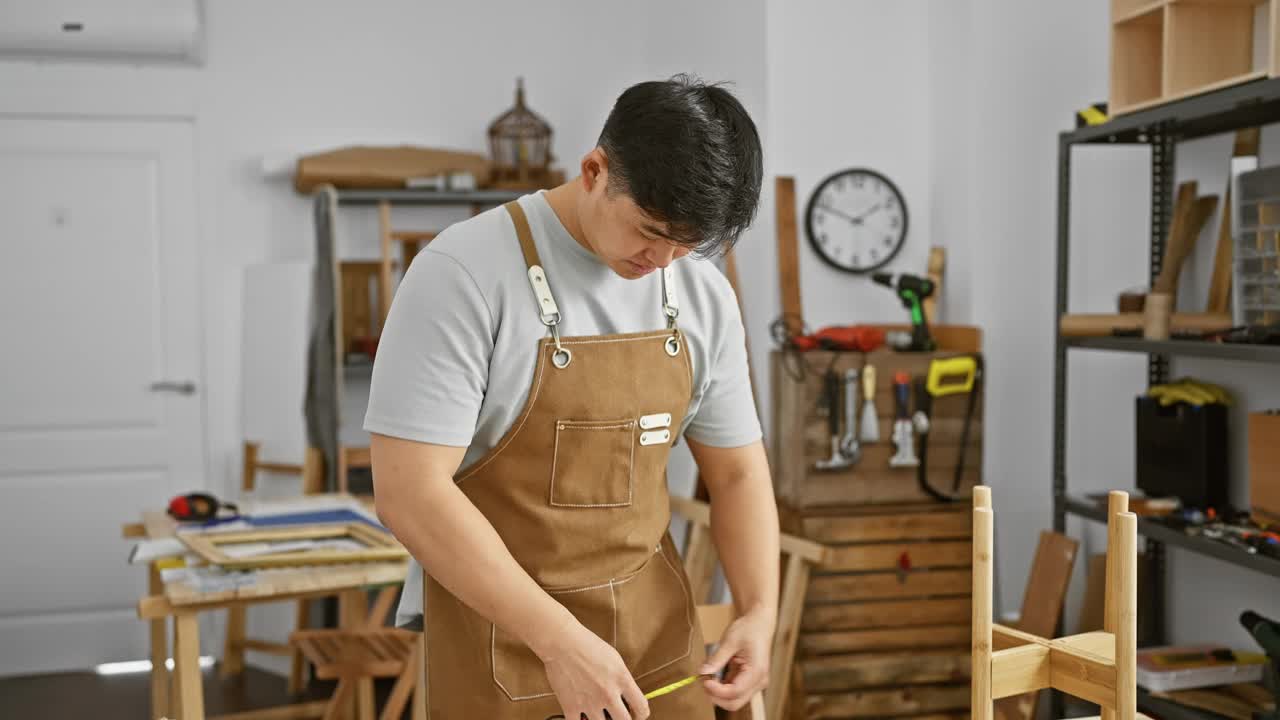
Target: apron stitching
{"points": [[663, 337], [688, 620], [613, 600], [513, 432], [555, 456]]}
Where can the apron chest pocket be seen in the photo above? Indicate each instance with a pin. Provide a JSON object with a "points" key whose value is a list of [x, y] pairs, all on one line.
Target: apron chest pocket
{"points": [[592, 463]]}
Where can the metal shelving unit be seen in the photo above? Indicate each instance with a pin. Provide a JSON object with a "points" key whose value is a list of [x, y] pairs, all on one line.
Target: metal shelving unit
{"points": [[1247, 105]]}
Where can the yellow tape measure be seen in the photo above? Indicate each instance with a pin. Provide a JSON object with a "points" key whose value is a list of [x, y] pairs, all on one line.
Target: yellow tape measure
{"points": [[673, 686]]}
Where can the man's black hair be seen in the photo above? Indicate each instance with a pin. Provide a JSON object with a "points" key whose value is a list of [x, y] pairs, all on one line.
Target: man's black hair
{"points": [[689, 155]]}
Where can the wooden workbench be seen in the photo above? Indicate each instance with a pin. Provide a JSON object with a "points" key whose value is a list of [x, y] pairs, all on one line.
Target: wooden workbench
{"points": [[179, 696]]}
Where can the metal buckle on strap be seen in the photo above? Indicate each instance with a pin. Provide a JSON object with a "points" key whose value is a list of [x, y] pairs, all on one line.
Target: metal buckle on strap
{"points": [[550, 314], [670, 307]]}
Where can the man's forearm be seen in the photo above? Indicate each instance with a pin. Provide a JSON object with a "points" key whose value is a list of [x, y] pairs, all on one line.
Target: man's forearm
{"points": [[458, 546], [744, 524]]}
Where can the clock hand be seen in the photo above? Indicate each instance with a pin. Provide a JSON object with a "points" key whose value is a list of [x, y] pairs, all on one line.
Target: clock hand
{"points": [[839, 214], [858, 219]]}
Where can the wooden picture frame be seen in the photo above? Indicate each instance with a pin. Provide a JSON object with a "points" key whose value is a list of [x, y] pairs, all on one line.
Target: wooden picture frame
{"points": [[379, 545]]}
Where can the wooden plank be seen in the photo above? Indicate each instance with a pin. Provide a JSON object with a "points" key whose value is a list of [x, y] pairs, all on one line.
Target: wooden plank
{"points": [[888, 702], [1254, 694], [883, 586], [929, 636], [1100, 643], [937, 267], [1003, 637], [1084, 675], [836, 673], [1220, 280], [700, 513], [915, 526], [1047, 584], [1019, 670], [788, 247], [886, 614], [887, 556], [896, 485], [790, 612], [1213, 700]]}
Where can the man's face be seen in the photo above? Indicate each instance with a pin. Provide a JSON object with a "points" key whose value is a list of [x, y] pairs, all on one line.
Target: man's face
{"points": [[621, 235]]}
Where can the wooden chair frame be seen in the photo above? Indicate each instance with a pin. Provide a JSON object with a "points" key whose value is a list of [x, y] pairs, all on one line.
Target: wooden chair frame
{"points": [[1100, 667], [800, 556]]}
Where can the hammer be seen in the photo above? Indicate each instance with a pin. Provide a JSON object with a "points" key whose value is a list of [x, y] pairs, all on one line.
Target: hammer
{"points": [[838, 460]]}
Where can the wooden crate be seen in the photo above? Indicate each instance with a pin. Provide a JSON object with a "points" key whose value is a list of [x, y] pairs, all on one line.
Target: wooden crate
{"points": [[803, 435], [877, 639]]}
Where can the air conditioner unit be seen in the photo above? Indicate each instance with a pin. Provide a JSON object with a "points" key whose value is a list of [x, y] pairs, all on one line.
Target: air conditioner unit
{"points": [[144, 31]]}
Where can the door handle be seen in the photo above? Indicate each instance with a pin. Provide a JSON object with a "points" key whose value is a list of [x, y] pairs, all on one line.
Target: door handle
{"points": [[181, 388]]}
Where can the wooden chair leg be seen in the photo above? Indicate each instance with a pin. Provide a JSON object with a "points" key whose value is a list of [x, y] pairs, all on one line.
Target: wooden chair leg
{"points": [[297, 664], [790, 610], [1126, 616], [404, 687], [341, 697], [233, 645], [1117, 502], [981, 706]]}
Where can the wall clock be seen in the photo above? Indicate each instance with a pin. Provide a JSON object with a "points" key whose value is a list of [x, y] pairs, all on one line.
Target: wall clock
{"points": [[856, 220]]}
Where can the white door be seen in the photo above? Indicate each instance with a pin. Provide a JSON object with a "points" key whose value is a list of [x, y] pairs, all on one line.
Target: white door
{"points": [[100, 375]]}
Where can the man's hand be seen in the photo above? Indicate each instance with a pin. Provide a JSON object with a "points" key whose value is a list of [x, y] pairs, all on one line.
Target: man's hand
{"points": [[745, 649], [589, 678]]}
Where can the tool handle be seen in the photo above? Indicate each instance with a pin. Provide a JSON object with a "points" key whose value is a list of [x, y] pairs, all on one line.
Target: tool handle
{"points": [[851, 401], [833, 402], [902, 397], [869, 382]]}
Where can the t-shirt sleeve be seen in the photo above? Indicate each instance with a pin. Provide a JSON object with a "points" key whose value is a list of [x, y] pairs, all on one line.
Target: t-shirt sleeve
{"points": [[431, 367], [726, 415]]}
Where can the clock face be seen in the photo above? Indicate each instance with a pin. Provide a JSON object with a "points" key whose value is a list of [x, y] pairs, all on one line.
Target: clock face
{"points": [[856, 220]]}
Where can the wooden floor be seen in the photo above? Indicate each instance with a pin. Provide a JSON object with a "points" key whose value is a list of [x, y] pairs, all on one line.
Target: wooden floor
{"points": [[126, 697]]}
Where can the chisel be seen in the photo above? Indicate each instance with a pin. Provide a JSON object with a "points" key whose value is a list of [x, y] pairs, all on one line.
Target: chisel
{"points": [[870, 422]]}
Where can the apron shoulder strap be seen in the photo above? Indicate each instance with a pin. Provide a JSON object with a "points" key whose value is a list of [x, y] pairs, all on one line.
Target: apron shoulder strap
{"points": [[547, 308], [523, 233]]}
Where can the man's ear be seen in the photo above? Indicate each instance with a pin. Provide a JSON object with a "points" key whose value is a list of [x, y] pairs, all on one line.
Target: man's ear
{"points": [[595, 170]]}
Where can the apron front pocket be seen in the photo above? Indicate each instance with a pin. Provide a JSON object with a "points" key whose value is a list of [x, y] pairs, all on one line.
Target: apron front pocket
{"points": [[655, 623], [520, 672], [592, 463]]}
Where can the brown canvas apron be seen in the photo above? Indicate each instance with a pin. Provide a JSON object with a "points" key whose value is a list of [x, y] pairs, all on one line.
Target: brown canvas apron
{"points": [[577, 489]]}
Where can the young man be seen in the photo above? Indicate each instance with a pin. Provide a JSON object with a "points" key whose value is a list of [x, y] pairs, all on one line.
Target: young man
{"points": [[538, 363]]}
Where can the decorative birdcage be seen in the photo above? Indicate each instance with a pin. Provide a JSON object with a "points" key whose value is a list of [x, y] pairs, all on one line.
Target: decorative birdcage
{"points": [[520, 146]]}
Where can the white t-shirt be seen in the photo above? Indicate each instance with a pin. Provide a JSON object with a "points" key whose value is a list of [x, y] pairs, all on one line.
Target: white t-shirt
{"points": [[456, 358]]}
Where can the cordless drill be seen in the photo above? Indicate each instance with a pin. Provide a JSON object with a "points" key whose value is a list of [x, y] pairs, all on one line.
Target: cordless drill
{"points": [[912, 290]]}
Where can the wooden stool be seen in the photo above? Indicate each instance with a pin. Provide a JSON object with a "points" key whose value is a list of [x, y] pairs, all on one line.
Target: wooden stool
{"points": [[355, 656], [1100, 667]]}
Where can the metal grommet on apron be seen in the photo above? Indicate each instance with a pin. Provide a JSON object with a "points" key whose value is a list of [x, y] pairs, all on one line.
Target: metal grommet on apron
{"points": [[577, 490]]}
